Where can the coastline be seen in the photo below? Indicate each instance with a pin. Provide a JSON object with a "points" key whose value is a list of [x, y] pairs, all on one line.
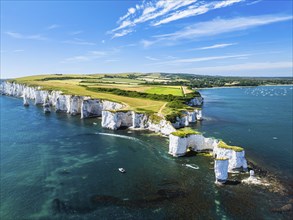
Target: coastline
{"points": [[231, 87], [176, 146]]}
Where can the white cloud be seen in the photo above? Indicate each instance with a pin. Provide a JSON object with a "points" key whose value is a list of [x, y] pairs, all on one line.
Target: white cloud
{"points": [[76, 59], [219, 26], [151, 58], [131, 10], [167, 11], [18, 51], [215, 46], [254, 2], [25, 37], [78, 41], [53, 26], [226, 3], [122, 33], [200, 59], [75, 32]]}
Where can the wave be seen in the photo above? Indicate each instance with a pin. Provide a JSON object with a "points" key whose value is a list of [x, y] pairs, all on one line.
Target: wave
{"points": [[119, 136]]}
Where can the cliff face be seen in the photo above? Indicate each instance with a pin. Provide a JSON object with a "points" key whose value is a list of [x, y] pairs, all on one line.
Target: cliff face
{"points": [[178, 146], [71, 104], [196, 101], [221, 170], [91, 108], [115, 120], [112, 118], [236, 158]]}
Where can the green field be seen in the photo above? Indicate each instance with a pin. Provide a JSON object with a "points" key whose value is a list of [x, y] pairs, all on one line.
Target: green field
{"points": [[173, 90]]}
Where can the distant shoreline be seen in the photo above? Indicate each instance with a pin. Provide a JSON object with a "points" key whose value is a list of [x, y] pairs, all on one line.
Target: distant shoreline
{"points": [[231, 87]]}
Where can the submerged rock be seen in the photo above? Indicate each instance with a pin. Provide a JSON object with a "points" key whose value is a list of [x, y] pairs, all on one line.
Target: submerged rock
{"points": [[285, 208]]}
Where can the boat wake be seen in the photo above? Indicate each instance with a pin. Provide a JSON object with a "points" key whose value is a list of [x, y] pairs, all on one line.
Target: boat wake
{"points": [[193, 166]]}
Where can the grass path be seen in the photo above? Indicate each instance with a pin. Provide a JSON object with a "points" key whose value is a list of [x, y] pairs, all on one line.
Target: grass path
{"points": [[161, 109]]}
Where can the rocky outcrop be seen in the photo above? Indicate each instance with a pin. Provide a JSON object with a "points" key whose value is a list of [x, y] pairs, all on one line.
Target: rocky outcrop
{"points": [[221, 169], [75, 105], [116, 119], [164, 127], [140, 120], [178, 146], [46, 107], [196, 101], [108, 105], [198, 114], [25, 101], [236, 158], [91, 108], [187, 117]]}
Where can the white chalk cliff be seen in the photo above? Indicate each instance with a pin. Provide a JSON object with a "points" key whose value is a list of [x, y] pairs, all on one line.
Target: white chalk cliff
{"points": [[178, 146], [221, 170]]}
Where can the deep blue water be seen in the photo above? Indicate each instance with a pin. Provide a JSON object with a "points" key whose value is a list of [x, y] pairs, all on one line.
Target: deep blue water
{"points": [[257, 118], [58, 166]]}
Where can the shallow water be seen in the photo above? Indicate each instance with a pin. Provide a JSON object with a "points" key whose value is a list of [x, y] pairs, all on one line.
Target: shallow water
{"points": [[57, 166]]}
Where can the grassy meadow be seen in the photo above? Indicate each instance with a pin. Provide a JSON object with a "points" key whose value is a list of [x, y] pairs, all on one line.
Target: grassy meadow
{"points": [[74, 84]]}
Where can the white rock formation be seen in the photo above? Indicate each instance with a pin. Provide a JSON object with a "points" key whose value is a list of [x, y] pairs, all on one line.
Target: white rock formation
{"points": [[198, 114], [178, 146], [196, 101], [221, 170], [91, 108], [62, 103], [139, 120], [116, 119], [74, 107], [46, 107], [164, 127], [25, 101], [236, 159], [108, 105], [191, 116]]}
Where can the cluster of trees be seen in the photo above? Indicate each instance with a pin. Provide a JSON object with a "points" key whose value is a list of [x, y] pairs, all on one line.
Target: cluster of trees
{"points": [[134, 94], [200, 81]]}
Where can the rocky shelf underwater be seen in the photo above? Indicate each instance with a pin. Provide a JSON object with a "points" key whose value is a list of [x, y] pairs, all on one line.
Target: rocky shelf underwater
{"points": [[227, 159]]}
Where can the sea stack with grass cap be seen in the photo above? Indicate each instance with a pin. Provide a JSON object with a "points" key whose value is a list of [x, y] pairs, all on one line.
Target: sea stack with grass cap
{"points": [[221, 170]]}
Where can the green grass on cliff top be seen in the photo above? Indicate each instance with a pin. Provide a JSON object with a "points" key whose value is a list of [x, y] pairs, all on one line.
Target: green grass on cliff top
{"points": [[72, 84], [184, 132], [222, 144]]}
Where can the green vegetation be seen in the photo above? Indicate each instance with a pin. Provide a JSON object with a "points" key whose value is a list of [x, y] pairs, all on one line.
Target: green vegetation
{"points": [[221, 158], [155, 119], [143, 95], [163, 90], [184, 132], [222, 144]]}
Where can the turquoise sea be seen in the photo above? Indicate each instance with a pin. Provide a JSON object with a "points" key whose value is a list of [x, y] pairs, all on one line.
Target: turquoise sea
{"points": [[57, 166]]}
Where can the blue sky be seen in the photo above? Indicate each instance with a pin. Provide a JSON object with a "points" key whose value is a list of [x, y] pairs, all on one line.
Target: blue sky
{"points": [[229, 37]]}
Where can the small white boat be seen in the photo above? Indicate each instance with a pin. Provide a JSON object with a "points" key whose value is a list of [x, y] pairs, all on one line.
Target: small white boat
{"points": [[122, 170]]}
